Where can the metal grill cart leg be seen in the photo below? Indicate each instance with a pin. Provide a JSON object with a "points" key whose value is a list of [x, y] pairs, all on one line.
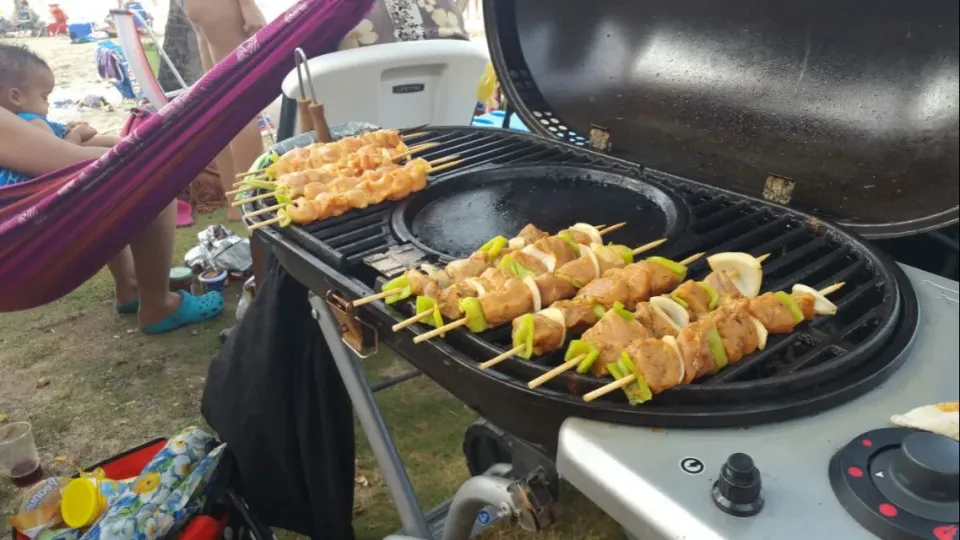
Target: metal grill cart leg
{"points": [[528, 500]]}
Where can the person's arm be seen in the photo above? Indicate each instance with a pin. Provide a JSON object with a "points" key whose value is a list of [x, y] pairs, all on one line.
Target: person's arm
{"points": [[253, 19], [37, 152]]}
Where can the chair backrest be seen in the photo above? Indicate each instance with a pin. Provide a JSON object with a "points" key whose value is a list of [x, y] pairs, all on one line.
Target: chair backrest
{"points": [[125, 22], [397, 85]]}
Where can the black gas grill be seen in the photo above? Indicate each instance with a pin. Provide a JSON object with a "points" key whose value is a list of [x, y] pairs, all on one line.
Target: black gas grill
{"points": [[827, 362], [719, 129]]}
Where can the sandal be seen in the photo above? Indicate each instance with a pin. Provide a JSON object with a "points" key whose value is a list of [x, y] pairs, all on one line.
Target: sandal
{"points": [[193, 309], [130, 307]]}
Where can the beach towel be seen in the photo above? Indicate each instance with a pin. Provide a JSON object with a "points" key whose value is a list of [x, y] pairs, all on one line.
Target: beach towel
{"points": [[58, 230], [112, 66]]}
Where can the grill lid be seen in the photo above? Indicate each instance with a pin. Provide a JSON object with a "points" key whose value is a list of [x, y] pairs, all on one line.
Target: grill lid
{"points": [[843, 109]]}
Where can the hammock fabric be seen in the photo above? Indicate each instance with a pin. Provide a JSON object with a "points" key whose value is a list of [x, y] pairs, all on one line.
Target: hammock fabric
{"points": [[57, 230]]}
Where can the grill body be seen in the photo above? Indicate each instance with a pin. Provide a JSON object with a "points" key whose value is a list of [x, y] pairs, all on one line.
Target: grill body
{"points": [[826, 362]]}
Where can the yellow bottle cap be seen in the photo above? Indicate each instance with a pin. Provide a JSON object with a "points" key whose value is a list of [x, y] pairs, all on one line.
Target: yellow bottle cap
{"points": [[81, 503]]}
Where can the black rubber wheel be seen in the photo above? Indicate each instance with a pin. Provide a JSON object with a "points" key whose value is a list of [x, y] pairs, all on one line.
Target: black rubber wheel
{"points": [[485, 445]]}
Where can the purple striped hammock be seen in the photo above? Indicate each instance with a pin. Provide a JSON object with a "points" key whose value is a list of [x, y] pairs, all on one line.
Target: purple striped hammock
{"points": [[58, 230]]}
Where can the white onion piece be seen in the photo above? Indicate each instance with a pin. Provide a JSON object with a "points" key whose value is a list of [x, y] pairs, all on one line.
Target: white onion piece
{"points": [[672, 343], [589, 230], [743, 270], [821, 306], [593, 260], [556, 315], [548, 260], [672, 312], [438, 275], [477, 286], [762, 333], [534, 292], [516, 243]]}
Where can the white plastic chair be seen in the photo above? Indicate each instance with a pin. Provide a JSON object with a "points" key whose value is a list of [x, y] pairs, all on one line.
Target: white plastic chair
{"points": [[397, 85]]}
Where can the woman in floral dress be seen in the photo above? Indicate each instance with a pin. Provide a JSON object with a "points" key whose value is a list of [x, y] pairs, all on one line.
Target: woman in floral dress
{"points": [[407, 20]]}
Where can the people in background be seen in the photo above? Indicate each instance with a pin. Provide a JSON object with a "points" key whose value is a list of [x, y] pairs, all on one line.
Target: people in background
{"points": [[34, 146], [221, 26]]}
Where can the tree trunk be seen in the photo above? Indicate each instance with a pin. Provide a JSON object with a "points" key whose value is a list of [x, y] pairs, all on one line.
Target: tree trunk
{"points": [[180, 44]]}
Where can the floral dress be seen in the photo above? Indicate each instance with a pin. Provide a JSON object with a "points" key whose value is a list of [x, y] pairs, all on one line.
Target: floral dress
{"points": [[407, 20]]}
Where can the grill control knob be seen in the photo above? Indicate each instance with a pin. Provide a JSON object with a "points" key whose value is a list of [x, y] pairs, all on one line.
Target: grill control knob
{"points": [[928, 466], [739, 491]]}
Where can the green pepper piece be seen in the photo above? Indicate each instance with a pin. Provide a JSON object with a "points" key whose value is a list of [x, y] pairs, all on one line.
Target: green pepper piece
{"points": [[523, 336], [715, 344], [493, 246], [615, 371], [260, 184], [712, 293], [402, 282], [424, 304], [274, 157], [624, 252], [622, 311], [791, 304], [676, 298], [565, 236], [284, 218], [675, 267], [511, 265], [598, 310], [637, 391], [588, 350], [282, 198], [473, 311]]}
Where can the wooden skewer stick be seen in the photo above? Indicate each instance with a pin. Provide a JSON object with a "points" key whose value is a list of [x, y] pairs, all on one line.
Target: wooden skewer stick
{"points": [[620, 383], [441, 330], [414, 135], [445, 166], [238, 190], [413, 320], [648, 246], [612, 228], [501, 357], [374, 297], [444, 160], [254, 198], [568, 365], [413, 150], [263, 224], [692, 258], [263, 211]]}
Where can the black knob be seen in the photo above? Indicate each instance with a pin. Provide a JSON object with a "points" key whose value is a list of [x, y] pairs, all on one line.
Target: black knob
{"points": [[928, 465], [739, 491]]}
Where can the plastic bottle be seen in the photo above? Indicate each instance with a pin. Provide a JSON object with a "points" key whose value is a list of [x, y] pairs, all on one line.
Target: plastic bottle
{"points": [[86, 498]]}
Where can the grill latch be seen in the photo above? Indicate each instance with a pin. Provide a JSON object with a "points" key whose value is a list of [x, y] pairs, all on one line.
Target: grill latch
{"points": [[356, 334], [534, 507]]}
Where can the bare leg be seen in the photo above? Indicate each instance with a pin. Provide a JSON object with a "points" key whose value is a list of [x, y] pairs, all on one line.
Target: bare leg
{"points": [[124, 279], [152, 255], [224, 159], [221, 25]]}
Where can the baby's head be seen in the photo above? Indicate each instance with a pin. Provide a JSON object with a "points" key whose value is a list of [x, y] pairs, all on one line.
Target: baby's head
{"points": [[25, 80]]}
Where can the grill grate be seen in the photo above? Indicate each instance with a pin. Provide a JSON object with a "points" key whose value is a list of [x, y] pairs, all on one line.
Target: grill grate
{"points": [[801, 250]]}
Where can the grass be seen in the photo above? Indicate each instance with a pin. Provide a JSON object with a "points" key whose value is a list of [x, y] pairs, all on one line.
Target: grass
{"points": [[93, 386]]}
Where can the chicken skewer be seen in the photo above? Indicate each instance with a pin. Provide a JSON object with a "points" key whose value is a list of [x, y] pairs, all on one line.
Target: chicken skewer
{"points": [[414, 282], [517, 297], [392, 185], [321, 184], [649, 366], [538, 258], [364, 159], [663, 315], [329, 152]]}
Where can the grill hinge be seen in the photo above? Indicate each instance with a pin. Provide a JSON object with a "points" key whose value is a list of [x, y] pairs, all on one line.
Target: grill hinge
{"points": [[396, 260], [778, 189], [356, 334]]}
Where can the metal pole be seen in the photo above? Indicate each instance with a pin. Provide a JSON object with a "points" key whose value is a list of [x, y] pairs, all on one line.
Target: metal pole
{"points": [[394, 474], [474, 495]]}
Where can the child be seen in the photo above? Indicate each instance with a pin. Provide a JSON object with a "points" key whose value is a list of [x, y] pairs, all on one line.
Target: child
{"points": [[25, 84]]}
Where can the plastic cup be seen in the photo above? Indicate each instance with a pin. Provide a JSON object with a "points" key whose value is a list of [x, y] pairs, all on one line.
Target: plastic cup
{"points": [[18, 454]]}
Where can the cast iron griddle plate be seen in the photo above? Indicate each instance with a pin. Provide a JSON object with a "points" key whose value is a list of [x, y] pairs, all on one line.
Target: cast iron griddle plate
{"points": [[461, 212]]}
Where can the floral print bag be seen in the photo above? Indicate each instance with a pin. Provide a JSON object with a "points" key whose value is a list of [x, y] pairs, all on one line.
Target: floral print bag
{"points": [[391, 21]]}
